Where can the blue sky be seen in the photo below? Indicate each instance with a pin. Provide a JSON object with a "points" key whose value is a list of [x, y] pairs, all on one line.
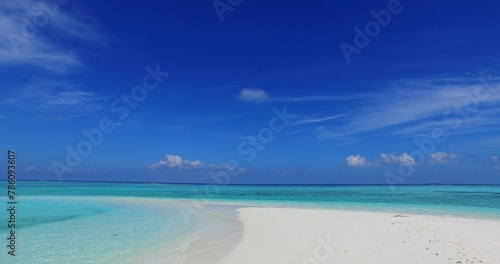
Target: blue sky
{"points": [[252, 91]]}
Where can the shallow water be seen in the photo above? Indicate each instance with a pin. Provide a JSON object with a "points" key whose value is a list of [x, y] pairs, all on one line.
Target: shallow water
{"points": [[64, 229], [61, 222]]}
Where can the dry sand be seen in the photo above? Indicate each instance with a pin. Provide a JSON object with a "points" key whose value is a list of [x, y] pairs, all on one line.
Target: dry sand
{"points": [[316, 236]]}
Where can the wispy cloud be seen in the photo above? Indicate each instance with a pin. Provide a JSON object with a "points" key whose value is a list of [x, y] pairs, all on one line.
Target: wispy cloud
{"points": [[478, 122], [207, 119], [323, 133], [85, 29], [495, 160], [319, 98], [56, 97], [487, 143], [261, 96], [317, 120], [31, 169], [410, 107], [39, 42]]}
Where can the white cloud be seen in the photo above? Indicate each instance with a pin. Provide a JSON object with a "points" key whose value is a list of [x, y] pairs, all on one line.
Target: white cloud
{"points": [[443, 158], [176, 162], [403, 159], [253, 95], [357, 161]]}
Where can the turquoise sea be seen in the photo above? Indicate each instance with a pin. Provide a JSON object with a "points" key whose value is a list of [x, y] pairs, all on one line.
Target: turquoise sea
{"points": [[76, 222]]}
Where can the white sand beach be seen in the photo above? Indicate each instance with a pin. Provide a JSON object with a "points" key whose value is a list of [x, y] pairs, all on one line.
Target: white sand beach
{"points": [[264, 235], [318, 236]]}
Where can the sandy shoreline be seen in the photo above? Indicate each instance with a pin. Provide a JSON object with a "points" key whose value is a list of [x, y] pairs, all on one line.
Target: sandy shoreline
{"points": [[265, 235], [315, 236]]}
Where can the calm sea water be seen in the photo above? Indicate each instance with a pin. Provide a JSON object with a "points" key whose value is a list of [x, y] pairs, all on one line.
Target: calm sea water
{"points": [[60, 222]]}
